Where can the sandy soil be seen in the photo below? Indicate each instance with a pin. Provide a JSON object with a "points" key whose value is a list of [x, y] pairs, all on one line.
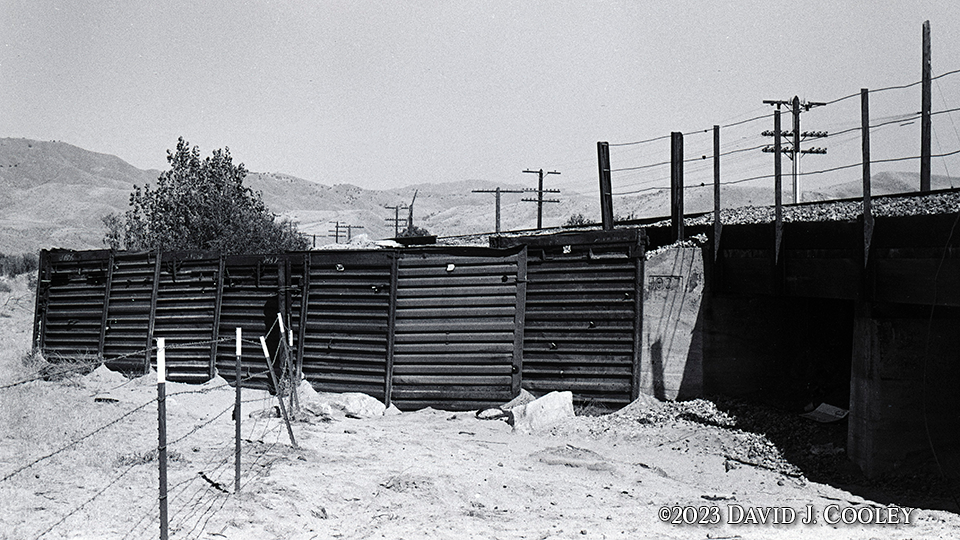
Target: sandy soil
{"points": [[424, 474]]}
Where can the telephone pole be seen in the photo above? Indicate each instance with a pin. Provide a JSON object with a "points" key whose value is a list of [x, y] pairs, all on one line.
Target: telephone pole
{"points": [[396, 218], [794, 152], [498, 191], [540, 191]]}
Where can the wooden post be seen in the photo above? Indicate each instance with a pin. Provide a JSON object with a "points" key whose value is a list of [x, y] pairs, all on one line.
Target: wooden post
{"points": [[236, 413], [104, 321], [391, 328], [639, 283], [217, 305], [519, 322], [273, 377], [717, 224], [606, 190], [40, 302], [796, 149], [676, 185], [498, 210], [925, 121], [153, 311], [162, 432], [304, 312], [777, 187], [867, 210]]}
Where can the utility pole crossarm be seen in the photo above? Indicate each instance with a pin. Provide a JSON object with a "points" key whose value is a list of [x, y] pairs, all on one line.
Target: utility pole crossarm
{"points": [[498, 191], [795, 136], [540, 191]]}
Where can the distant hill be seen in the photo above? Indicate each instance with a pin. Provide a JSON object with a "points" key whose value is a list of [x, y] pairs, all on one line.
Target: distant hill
{"points": [[53, 194]]}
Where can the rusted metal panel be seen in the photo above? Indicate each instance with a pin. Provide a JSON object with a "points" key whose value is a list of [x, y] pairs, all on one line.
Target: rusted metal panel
{"points": [[347, 312], [582, 315], [248, 283], [456, 327], [128, 311], [75, 285], [185, 312]]}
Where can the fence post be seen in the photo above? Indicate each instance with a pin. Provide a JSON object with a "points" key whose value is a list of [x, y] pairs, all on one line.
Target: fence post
{"points": [[717, 224], [676, 185], [236, 413], [867, 210], [276, 385], [162, 433]]}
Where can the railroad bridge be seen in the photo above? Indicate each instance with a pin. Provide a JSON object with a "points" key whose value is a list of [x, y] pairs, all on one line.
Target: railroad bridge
{"points": [[863, 315]]}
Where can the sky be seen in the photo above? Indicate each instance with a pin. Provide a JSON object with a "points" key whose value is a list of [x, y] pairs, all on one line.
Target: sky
{"points": [[386, 94]]}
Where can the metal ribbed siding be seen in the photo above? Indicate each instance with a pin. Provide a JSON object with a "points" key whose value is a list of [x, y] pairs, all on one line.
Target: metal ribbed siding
{"points": [[126, 334], [345, 342], [186, 312], [583, 313], [457, 343], [70, 313], [248, 282]]}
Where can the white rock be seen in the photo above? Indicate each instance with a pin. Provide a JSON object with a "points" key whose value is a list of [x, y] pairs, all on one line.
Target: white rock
{"points": [[543, 412]]}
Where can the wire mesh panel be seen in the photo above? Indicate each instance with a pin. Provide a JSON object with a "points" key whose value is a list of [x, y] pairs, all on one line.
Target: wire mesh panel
{"points": [[346, 321], [186, 312], [70, 317], [458, 318], [127, 329]]}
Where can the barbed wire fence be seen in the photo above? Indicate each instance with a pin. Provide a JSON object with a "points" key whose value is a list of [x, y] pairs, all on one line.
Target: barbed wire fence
{"points": [[196, 498]]}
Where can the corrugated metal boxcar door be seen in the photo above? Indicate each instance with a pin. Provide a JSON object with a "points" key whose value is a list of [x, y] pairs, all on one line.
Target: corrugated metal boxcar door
{"points": [[127, 327], [346, 321], [71, 317], [185, 313], [249, 281], [583, 313], [457, 328]]}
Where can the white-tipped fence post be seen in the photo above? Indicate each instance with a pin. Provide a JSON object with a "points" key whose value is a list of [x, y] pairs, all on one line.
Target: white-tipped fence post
{"points": [[162, 432], [236, 415]]}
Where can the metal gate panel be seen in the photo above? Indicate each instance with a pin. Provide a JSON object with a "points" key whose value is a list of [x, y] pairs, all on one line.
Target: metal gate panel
{"points": [[127, 329], [347, 321], [457, 328], [185, 313], [71, 316], [583, 314], [249, 281]]}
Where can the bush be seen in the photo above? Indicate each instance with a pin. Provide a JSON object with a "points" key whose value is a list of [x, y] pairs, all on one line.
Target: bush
{"points": [[14, 265], [201, 204]]}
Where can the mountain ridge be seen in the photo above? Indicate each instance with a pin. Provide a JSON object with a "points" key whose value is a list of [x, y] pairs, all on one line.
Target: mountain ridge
{"points": [[53, 194]]}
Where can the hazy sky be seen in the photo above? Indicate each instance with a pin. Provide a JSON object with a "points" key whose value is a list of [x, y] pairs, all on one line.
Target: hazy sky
{"points": [[387, 93]]}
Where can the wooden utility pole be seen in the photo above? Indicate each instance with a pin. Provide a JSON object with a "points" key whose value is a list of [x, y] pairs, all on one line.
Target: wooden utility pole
{"points": [[540, 191], [606, 191], [676, 185], [396, 218], [867, 210], [717, 225], [777, 188], [794, 151], [925, 122], [498, 191]]}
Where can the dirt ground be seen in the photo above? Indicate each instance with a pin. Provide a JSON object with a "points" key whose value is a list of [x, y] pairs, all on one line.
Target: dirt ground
{"points": [[423, 474]]}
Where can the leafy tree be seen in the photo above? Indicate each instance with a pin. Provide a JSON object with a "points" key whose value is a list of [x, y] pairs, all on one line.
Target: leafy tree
{"points": [[200, 204]]}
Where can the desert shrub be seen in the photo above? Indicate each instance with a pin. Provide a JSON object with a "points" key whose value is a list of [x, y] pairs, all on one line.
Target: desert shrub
{"points": [[14, 265]]}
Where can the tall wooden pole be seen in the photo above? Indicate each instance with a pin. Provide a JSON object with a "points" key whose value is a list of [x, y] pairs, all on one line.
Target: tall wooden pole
{"points": [[777, 187], [925, 122], [606, 191], [796, 149], [717, 225], [676, 185], [867, 207]]}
